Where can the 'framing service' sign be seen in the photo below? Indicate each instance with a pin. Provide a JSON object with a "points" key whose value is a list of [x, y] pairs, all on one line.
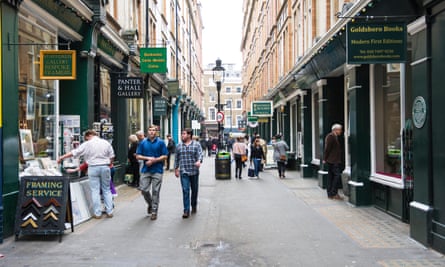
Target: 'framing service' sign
{"points": [[44, 206], [379, 42]]}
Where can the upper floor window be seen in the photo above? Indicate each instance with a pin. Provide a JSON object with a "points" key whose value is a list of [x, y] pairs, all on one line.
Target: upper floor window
{"points": [[228, 90], [238, 89], [239, 103]]}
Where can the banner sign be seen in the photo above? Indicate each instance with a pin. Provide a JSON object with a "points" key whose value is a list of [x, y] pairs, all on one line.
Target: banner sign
{"points": [[159, 106], [44, 206], [128, 87], [382, 42], [154, 60], [57, 64], [261, 108]]}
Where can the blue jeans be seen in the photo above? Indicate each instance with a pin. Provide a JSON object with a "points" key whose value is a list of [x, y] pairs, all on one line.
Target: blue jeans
{"points": [[256, 165], [100, 177], [189, 182]]}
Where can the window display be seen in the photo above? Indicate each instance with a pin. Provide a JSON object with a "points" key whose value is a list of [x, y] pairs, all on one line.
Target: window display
{"points": [[36, 109]]}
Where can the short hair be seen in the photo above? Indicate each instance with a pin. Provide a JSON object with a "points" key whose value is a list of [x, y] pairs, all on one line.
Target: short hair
{"points": [[169, 135], [140, 132], [189, 131], [153, 126], [90, 133], [133, 138], [336, 126]]}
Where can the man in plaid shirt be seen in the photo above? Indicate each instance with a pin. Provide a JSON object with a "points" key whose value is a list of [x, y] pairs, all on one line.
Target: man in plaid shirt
{"points": [[188, 159]]}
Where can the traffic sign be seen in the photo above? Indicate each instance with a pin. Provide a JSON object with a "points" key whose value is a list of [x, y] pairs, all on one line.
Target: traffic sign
{"points": [[219, 116]]}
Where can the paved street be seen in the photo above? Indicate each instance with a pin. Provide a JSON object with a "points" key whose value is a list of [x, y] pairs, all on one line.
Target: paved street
{"points": [[265, 222]]}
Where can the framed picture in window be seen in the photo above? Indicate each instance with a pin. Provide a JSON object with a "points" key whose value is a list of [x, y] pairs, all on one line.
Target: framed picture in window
{"points": [[26, 144], [30, 102]]}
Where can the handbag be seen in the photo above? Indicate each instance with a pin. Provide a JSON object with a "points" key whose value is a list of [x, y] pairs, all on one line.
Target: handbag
{"points": [[251, 171], [243, 158], [283, 158]]}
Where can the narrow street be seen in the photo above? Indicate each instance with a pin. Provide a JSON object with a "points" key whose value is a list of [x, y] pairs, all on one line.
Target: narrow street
{"points": [[248, 222]]}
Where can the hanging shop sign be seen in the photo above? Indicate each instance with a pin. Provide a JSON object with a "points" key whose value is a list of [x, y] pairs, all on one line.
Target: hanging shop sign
{"points": [[154, 60], [379, 42], [262, 108], [44, 206], [173, 88], [57, 64], [128, 87], [159, 106]]}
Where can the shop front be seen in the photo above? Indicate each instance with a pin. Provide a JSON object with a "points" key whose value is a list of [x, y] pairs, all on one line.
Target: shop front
{"points": [[31, 133]]}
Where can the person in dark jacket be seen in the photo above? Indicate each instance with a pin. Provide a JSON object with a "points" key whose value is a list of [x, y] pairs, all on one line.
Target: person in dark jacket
{"points": [[171, 147], [332, 157], [256, 156], [133, 163]]}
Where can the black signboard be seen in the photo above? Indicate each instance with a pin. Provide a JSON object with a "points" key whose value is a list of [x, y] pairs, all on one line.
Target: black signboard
{"points": [[379, 42], [128, 87], [43, 206], [159, 106]]}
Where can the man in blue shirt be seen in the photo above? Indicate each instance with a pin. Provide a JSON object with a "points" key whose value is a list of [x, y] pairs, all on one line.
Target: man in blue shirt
{"points": [[153, 152], [188, 159]]}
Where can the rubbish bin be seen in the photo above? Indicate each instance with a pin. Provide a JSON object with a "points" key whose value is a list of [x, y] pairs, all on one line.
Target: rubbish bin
{"points": [[291, 161], [222, 165]]}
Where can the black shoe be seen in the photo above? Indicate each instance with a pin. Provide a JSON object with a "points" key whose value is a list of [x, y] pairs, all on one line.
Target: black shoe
{"points": [[194, 210], [154, 216], [149, 209], [185, 215]]}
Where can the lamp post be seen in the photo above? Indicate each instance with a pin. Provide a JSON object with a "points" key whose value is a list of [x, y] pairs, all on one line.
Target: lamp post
{"points": [[218, 79]]}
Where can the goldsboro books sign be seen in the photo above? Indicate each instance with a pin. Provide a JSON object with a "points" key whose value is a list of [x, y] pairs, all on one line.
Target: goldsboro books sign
{"points": [[379, 42]]}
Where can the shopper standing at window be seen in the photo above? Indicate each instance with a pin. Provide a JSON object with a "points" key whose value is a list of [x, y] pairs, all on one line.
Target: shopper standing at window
{"points": [[332, 157], [98, 154]]}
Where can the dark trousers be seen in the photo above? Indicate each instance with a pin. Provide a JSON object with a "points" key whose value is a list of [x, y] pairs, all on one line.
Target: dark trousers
{"points": [[238, 165], [189, 183], [281, 165], [334, 176]]}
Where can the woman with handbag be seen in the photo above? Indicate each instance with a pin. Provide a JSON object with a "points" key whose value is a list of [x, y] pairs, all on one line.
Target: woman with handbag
{"points": [[256, 156], [279, 155], [239, 154]]}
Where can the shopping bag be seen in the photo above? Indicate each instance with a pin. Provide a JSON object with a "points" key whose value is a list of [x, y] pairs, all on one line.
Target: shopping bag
{"points": [[251, 171]]}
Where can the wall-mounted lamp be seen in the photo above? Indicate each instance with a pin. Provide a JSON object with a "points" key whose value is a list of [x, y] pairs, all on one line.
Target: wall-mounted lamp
{"points": [[85, 54]]}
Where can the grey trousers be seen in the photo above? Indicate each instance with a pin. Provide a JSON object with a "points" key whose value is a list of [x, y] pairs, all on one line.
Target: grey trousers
{"points": [[151, 181]]}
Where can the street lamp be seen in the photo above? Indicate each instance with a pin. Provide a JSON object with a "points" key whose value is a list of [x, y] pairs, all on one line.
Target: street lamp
{"points": [[218, 79]]}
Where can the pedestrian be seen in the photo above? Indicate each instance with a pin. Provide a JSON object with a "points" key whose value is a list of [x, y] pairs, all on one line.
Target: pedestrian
{"points": [[256, 156], [279, 155], [98, 154], [171, 146], [239, 154], [141, 136], [133, 166], [332, 157], [153, 152], [188, 159]]}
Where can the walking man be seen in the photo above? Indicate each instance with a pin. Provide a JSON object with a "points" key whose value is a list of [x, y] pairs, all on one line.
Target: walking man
{"points": [[98, 154], [333, 159], [188, 158], [153, 152]]}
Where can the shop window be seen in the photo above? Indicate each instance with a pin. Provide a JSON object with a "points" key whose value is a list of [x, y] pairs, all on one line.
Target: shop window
{"points": [[105, 94], [134, 110], [387, 121], [36, 103], [316, 149]]}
